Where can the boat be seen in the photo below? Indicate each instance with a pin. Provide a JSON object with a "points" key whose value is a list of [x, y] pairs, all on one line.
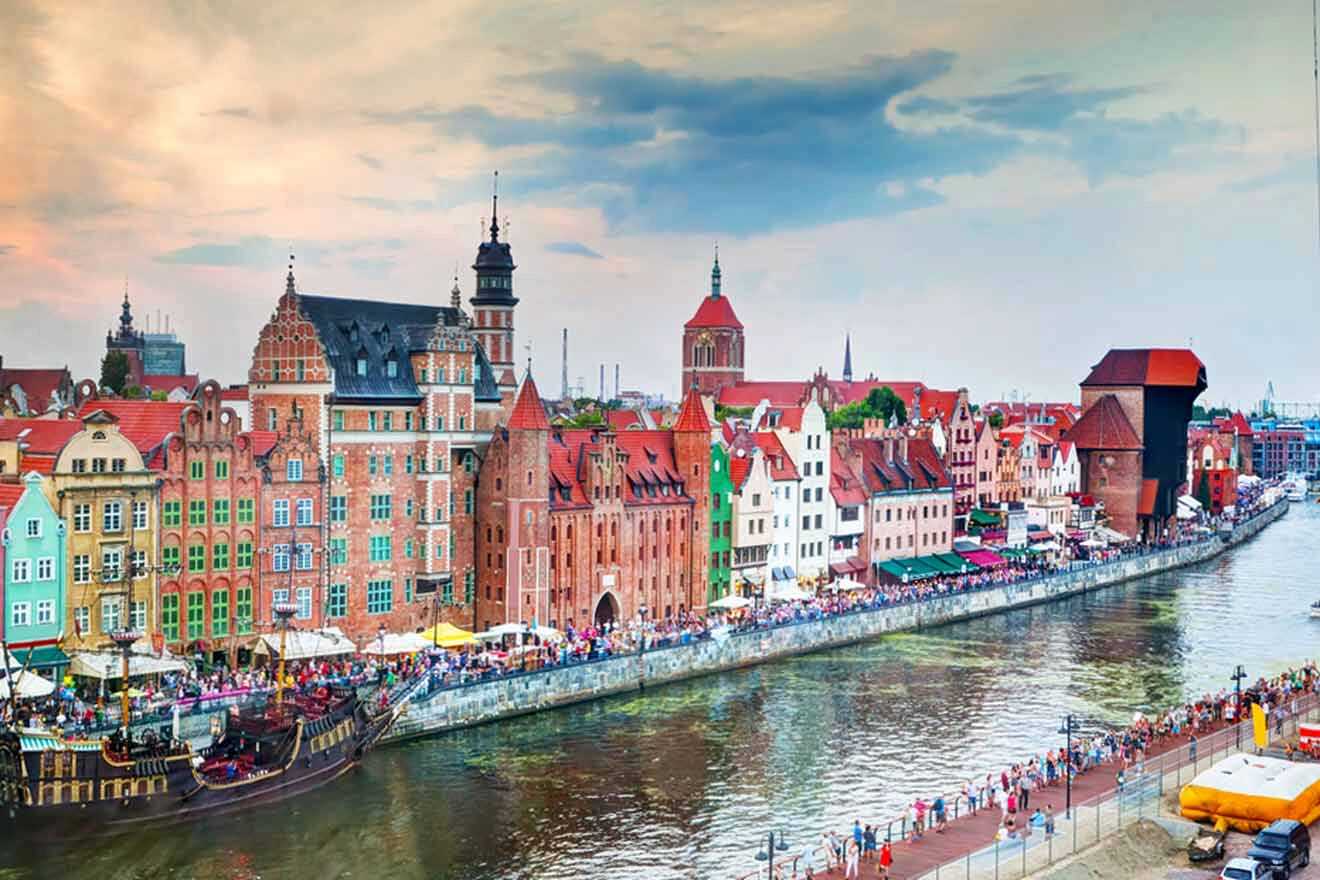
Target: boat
{"points": [[1315, 610], [117, 784]]}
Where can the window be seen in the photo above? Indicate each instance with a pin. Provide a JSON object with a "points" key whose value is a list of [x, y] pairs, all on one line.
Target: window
{"points": [[338, 508], [20, 571], [246, 510], [196, 558], [362, 366], [80, 465], [293, 471], [137, 616], [371, 465], [272, 419], [304, 511], [408, 507], [462, 423], [373, 420], [33, 528], [304, 600], [82, 517], [407, 421], [139, 515], [197, 512], [408, 464], [220, 511], [169, 616], [380, 596], [391, 370], [388, 465], [112, 560], [82, 568], [407, 590], [243, 609], [197, 470], [281, 511], [380, 548], [82, 619], [98, 465], [380, 507], [219, 613], [110, 614], [220, 557], [169, 557], [447, 593], [117, 465], [389, 421], [300, 369], [280, 558], [196, 614], [243, 555], [339, 420], [279, 597], [440, 422], [304, 559], [46, 568], [112, 516], [222, 471], [20, 614], [337, 466], [338, 551], [467, 501], [336, 601]]}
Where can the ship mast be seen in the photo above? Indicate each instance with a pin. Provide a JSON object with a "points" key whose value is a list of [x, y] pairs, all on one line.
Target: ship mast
{"points": [[283, 611]]}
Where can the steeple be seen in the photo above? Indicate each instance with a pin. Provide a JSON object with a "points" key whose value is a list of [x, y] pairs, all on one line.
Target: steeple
{"points": [[495, 210], [290, 288], [126, 333], [847, 357], [456, 295], [715, 275]]}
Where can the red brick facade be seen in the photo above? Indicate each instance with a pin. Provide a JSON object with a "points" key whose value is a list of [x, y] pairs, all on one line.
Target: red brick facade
{"points": [[713, 345]]}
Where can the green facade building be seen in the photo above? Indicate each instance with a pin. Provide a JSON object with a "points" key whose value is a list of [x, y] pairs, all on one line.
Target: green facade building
{"points": [[721, 521]]}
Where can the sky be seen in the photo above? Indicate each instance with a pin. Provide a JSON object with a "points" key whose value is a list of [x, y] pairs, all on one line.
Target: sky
{"points": [[984, 194]]}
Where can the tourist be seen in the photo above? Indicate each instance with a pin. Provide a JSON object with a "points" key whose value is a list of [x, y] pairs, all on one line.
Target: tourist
{"points": [[1049, 821], [857, 833], [971, 791], [868, 844], [807, 859], [886, 858], [938, 808], [851, 858]]}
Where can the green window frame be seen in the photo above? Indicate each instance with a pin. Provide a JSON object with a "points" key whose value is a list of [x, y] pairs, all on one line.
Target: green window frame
{"points": [[371, 465], [220, 511], [219, 557], [169, 556], [408, 463], [447, 594], [338, 551], [387, 466], [196, 614], [408, 548], [337, 465], [339, 420], [222, 469], [169, 616], [196, 558], [381, 507], [381, 551], [469, 586], [247, 510], [171, 513], [219, 613], [197, 512], [407, 589], [243, 555], [243, 609], [197, 470], [338, 508], [467, 501], [380, 597], [336, 601]]}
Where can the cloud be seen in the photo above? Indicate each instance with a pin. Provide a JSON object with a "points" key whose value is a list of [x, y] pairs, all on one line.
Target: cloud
{"points": [[479, 124], [370, 161], [922, 105], [1291, 173], [235, 112], [1045, 104], [7, 249], [394, 206], [250, 251], [372, 267], [263, 251], [573, 248]]}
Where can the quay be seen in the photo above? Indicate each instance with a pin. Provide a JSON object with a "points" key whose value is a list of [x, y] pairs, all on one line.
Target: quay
{"points": [[447, 708]]}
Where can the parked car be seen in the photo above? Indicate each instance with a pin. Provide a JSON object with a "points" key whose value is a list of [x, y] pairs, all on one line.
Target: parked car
{"points": [[1284, 845], [1246, 869]]}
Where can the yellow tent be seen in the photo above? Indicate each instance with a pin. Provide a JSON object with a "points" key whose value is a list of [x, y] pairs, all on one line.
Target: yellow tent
{"points": [[1249, 792], [446, 635]]}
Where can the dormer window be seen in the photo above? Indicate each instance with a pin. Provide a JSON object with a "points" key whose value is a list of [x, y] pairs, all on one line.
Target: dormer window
{"points": [[361, 363], [392, 368]]}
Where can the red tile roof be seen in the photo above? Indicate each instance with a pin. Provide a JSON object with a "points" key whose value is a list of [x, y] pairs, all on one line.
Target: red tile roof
{"points": [[1235, 421], [168, 383], [37, 384], [781, 463], [9, 495], [1149, 490], [752, 393], [938, 403], [1104, 426], [739, 467], [528, 414], [922, 469], [851, 392], [845, 486], [42, 464], [239, 392], [624, 419], [714, 311], [40, 436], [1177, 367], [262, 441], [144, 422], [651, 472], [692, 417], [789, 417]]}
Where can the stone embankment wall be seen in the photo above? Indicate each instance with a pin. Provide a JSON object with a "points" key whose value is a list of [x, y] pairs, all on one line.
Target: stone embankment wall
{"points": [[485, 701]]}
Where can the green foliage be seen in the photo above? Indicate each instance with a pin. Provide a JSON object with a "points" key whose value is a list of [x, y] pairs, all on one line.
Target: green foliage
{"points": [[881, 403], [159, 395], [996, 420], [723, 412], [592, 419], [134, 392], [114, 371]]}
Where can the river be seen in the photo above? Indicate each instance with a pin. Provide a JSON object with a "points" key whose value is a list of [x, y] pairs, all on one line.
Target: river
{"points": [[685, 780]]}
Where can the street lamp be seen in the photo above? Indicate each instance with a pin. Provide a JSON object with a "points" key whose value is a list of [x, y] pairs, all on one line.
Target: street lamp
{"points": [[380, 633], [1238, 675], [1069, 727], [767, 853]]}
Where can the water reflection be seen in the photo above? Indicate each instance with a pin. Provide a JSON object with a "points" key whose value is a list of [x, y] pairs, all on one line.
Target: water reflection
{"points": [[684, 781]]}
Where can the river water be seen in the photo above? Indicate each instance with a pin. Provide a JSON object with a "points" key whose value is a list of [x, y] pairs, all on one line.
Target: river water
{"points": [[685, 780]]}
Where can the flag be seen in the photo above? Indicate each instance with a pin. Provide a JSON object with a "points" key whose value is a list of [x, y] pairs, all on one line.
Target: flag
{"points": [[1260, 726]]}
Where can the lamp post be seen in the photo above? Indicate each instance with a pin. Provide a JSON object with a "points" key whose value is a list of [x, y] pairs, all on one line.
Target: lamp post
{"points": [[1238, 675], [1069, 727], [380, 633], [767, 853]]}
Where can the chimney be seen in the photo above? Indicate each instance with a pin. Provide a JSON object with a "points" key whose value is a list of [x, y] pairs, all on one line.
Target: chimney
{"points": [[889, 448], [616, 381], [563, 367], [903, 446], [602, 383]]}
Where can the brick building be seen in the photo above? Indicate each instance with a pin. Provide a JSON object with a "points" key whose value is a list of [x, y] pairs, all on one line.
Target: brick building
{"points": [[713, 345], [1132, 436], [576, 526]]}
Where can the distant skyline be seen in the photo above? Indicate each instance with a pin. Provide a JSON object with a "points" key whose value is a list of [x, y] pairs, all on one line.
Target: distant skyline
{"points": [[989, 195]]}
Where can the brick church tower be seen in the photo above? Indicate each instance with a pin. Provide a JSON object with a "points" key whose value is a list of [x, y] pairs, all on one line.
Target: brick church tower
{"points": [[692, 455], [713, 342], [492, 306]]}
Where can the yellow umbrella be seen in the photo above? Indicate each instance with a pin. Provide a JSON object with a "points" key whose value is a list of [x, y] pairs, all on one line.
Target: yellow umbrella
{"points": [[446, 635]]}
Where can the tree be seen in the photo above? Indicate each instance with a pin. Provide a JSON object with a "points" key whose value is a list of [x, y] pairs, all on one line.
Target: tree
{"points": [[723, 412], [159, 395], [880, 403], [134, 392], [114, 371], [996, 420]]}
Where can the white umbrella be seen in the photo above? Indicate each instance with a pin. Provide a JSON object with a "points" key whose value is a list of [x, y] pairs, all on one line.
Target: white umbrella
{"points": [[731, 602], [547, 634], [396, 643], [790, 594], [25, 684], [1092, 544], [495, 633]]}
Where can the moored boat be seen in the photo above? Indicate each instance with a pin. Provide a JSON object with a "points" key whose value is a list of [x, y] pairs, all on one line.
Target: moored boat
{"points": [[1315, 610]]}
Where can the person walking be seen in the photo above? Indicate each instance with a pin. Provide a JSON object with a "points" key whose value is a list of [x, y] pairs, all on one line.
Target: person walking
{"points": [[886, 859], [851, 858]]}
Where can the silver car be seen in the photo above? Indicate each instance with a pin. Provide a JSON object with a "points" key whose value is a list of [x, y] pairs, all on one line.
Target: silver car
{"points": [[1246, 869]]}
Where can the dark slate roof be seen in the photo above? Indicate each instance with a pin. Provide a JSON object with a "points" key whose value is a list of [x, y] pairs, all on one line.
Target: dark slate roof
{"points": [[350, 328]]}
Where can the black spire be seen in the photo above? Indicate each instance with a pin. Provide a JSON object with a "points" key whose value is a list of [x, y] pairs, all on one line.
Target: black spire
{"points": [[289, 288], [495, 210], [847, 357], [494, 263], [715, 275]]}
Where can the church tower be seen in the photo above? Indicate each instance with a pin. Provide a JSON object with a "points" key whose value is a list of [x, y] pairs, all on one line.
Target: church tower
{"points": [[492, 305], [713, 342]]}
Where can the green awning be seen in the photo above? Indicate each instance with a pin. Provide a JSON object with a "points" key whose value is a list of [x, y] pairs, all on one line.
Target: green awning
{"points": [[45, 657], [936, 564], [983, 518], [956, 563], [913, 569]]}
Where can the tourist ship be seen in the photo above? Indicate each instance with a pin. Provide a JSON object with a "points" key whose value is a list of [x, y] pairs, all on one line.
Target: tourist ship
{"points": [[117, 784]]}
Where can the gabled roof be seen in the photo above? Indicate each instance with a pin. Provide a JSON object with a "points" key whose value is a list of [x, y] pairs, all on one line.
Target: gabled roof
{"points": [[528, 414], [846, 487], [714, 311], [651, 472], [37, 384], [262, 441], [692, 417], [1234, 422], [739, 467], [9, 495], [144, 422], [781, 463], [752, 393], [39, 436], [922, 469], [380, 331], [1104, 426], [624, 419], [168, 383], [1176, 367]]}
